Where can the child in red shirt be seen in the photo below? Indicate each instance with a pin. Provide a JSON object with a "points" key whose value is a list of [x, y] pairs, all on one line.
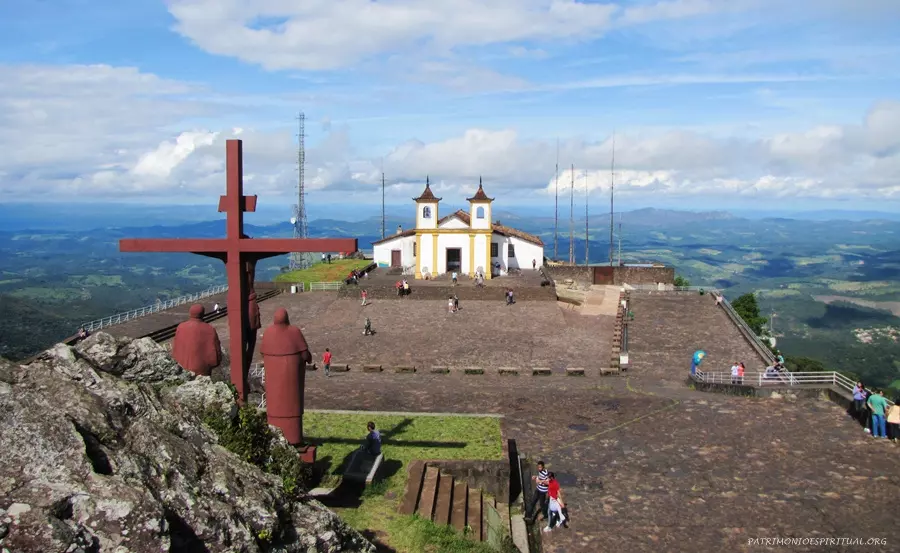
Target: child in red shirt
{"points": [[326, 360]]}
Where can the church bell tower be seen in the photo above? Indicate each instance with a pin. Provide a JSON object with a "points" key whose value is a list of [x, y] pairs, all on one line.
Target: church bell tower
{"points": [[427, 209]]}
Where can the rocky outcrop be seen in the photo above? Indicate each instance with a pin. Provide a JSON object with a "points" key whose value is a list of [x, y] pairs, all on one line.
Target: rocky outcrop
{"points": [[100, 451]]}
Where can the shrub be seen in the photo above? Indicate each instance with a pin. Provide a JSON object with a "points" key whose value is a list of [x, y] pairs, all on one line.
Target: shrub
{"points": [[249, 436]]}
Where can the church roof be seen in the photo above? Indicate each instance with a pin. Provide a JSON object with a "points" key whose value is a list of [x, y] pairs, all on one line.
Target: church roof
{"points": [[480, 196], [427, 194], [499, 229], [403, 234]]}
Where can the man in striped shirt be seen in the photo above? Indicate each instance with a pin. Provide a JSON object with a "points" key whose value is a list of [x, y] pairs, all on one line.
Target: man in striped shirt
{"points": [[540, 492]]}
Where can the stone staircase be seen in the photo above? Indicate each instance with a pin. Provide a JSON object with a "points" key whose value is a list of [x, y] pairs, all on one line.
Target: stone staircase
{"points": [[438, 496], [668, 327]]}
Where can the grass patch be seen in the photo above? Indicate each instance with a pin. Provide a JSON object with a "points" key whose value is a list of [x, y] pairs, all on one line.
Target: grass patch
{"points": [[335, 271], [404, 438]]}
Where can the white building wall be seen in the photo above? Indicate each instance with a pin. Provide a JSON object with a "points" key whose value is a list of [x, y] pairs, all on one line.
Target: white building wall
{"points": [[525, 252], [482, 243], [453, 223], [454, 240], [477, 223], [426, 254], [382, 252]]}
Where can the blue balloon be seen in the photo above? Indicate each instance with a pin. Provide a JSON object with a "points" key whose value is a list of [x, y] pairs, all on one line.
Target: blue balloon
{"points": [[699, 355]]}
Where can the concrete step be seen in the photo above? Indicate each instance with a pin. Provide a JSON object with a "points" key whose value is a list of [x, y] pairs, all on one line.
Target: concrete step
{"points": [[458, 510], [475, 513], [415, 475], [444, 500], [429, 489]]}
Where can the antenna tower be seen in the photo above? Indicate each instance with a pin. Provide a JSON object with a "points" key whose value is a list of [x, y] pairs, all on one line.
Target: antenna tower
{"points": [[382, 200], [572, 219], [301, 260], [556, 213], [587, 257], [620, 240], [612, 188]]}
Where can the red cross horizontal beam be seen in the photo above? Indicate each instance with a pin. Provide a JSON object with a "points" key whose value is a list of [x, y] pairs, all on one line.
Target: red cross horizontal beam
{"points": [[273, 246]]}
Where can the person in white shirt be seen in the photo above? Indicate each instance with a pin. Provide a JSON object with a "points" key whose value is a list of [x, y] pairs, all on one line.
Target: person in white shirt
{"points": [[735, 370]]}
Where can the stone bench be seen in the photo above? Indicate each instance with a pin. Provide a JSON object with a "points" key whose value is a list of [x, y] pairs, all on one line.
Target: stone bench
{"points": [[363, 467]]}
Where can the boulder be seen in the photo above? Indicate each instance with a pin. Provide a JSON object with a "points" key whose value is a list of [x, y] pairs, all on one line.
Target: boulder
{"points": [[95, 457], [140, 360]]}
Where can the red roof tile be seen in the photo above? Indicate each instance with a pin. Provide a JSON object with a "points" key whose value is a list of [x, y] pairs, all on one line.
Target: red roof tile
{"points": [[480, 196]]}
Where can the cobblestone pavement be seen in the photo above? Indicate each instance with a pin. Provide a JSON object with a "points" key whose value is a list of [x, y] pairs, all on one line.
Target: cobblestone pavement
{"points": [[423, 333], [649, 470]]}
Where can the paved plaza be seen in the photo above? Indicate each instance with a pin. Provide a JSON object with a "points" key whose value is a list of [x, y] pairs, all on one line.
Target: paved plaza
{"points": [[422, 332], [655, 469]]}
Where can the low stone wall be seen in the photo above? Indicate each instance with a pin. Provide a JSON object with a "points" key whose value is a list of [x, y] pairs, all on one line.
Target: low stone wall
{"points": [[583, 275], [473, 371], [465, 292], [491, 476]]}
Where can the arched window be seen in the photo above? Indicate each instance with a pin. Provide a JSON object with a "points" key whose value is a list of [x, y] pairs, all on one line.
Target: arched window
{"points": [[426, 212], [479, 213]]}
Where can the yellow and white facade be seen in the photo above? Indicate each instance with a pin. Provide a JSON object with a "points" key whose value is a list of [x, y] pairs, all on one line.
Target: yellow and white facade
{"points": [[466, 242]]}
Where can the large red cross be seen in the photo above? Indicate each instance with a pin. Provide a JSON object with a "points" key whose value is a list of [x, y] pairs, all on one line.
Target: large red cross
{"points": [[238, 252]]}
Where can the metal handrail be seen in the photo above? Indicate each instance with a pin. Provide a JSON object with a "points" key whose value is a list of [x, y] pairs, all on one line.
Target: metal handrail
{"points": [[150, 309], [826, 378]]}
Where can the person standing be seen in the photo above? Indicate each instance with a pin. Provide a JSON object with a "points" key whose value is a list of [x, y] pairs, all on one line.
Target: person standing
{"points": [[740, 373], [365, 297], [878, 404], [326, 361], [859, 402], [734, 373], [540, 493], [556, 506], [893, 419]]}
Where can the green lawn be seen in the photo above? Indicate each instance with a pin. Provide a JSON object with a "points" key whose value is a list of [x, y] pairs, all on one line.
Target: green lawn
{"points": [[404, 438], [335, 271]]}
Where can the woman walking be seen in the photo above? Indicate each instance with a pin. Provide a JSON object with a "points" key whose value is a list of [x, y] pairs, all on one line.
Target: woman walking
{"points": [[557, 518]]}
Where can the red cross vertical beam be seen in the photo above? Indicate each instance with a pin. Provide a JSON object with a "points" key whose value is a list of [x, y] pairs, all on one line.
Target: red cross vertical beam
{"points": [[238, 252]]}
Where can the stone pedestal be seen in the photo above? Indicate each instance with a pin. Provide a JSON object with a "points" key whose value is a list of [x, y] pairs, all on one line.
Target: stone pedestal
{"points": [[307, 453]]}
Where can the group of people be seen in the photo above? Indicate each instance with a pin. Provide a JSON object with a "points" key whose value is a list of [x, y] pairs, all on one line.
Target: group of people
{"points": [[453, 304], [402, 287], [737, 373], [354, 276], [875, 414], [547, 495]]}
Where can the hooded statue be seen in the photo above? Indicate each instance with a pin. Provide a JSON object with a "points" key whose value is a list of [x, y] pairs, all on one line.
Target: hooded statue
{"points": [[196, 346], [285, 355]]}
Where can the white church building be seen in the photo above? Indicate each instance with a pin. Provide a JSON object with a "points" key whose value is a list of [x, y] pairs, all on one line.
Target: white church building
{"points": [[464, 242]]}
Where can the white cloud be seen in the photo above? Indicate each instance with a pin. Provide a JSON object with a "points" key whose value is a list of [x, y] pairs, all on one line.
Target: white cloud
{"points": [[106, 133]]}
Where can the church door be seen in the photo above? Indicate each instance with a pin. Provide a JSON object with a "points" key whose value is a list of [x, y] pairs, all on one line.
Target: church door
{"points": [[454, 259], [395, 258]]}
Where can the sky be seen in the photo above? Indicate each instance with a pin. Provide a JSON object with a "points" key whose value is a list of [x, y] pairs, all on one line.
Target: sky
{"points": [[705, 103]]}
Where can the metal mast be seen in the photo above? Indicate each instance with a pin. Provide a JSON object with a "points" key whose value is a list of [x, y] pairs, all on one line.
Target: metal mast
{"points": [[572, 219], [587, 257], [382, 200], [612, 188], [556, 213], [620, 240], [301, 260]]}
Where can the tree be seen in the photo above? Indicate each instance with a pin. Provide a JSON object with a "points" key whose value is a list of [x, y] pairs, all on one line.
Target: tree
{"points": [[748, 309], [681, 281]]}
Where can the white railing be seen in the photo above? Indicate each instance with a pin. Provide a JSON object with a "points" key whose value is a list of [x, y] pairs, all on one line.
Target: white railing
{"points": [[824, 379], [150, 309], [324, 286], [258, 370]]}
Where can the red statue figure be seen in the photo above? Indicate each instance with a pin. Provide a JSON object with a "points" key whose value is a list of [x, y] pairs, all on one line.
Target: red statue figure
{"points": [[285, 355], [240, 254], [196, 346], [253, 325]]}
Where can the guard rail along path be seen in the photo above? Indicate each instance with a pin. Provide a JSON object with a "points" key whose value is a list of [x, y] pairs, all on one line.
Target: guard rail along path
{"points": [[755, 341], [150, 309], [829, 379]]}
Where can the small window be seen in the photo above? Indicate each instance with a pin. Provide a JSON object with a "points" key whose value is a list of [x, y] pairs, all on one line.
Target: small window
{"points": [[512, 251], [426, 212], [479, 213], [494, 250]]}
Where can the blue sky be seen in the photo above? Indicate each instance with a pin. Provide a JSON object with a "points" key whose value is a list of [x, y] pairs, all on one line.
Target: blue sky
{"points": [[712, 103]]}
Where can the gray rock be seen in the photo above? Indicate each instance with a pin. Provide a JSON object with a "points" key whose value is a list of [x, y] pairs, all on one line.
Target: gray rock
{"points": [[141, 360], [107, 464]]}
